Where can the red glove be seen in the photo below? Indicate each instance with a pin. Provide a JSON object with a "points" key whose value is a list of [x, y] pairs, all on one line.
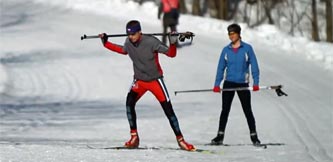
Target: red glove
{"points": [[255, 88], [217, 89]]}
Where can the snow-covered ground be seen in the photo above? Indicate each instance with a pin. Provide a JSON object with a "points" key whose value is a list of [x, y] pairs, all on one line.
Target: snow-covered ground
{"points": [[59, 94]]}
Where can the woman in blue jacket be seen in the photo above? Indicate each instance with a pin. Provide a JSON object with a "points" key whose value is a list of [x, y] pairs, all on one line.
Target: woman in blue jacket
{"points": [[234, 68]]}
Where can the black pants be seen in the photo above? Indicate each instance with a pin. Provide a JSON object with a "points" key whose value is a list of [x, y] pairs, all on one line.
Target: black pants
{"points": [[245, 99]]}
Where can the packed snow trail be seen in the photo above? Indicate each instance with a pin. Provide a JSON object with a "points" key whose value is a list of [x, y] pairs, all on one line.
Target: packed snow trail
{"points": [[60, 93]]}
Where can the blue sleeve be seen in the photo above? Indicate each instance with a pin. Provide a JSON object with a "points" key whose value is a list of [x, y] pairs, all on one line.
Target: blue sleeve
{"points": [[254, 66], [220, 69]]}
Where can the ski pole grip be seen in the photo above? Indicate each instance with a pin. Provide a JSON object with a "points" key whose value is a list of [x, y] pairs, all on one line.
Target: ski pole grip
{"points": [[89, 37], [83, 37]]}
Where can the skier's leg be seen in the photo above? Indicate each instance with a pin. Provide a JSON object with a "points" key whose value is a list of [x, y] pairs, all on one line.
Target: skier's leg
{"points": [[168, 110], [245, 99], [159, 89], [227, 98], [173, 28], [130, 109], [164, 37], [170, 114], [132, 97]]}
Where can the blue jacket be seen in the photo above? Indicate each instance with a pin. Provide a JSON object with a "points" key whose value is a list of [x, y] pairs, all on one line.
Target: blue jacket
{"points": [[237, 64]]}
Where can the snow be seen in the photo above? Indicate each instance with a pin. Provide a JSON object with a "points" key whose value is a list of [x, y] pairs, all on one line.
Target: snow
{"points": [[59, 94]]}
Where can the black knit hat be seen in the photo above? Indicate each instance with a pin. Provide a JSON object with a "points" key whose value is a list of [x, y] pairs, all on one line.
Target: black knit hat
{"points": [[133, 26], [234, 28]]}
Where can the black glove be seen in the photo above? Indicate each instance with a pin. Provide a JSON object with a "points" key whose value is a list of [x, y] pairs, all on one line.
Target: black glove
{"points": [[173, 37], [186, 35], [104, 37], [280, 93]]}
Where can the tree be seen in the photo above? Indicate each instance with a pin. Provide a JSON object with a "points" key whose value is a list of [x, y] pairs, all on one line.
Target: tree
{"points": [[268, 6], [263, 11], [329, 19], [182, 6], [233, 6], [223, 9], [212, 5], [196, 9], [314, 22], [218, 9]]}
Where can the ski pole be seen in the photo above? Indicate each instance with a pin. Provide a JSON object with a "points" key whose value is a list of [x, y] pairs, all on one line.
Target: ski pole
{"points": [[182, 36], [277, 89], [96, 36]]}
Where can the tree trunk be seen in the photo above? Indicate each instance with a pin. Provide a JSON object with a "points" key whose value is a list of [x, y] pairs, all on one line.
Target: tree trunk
{"points": [[196, 7], [292, 17], [233, 7], [223, 9], [251, 2], [212, 8], [219, 8], [268, 5], [315, 33], [182, 7], [329, 19]]}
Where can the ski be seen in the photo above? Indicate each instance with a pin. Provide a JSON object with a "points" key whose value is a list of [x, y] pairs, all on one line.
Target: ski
{"points": [[264, 146], [122, 148], [204, 151]]}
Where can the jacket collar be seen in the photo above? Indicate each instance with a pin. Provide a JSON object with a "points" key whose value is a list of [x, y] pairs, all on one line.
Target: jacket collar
{"points": [[241, 44]]}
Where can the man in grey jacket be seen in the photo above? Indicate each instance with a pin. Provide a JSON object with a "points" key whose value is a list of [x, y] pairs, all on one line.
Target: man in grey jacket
{"points": [[148, 76]]}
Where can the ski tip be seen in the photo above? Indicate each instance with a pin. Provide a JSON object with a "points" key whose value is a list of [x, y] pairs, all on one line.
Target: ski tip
{"points": [[203, 151], [192, 150]]}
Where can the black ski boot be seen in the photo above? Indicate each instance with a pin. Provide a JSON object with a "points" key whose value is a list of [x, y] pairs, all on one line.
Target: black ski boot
{"points": [[218, 140], [254, 139]]}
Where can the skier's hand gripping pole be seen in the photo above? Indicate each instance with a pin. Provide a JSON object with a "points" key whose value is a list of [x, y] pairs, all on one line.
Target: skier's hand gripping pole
{"points": [[277, 89]]}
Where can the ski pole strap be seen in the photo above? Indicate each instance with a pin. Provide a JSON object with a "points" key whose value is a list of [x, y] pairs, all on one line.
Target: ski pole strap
{"points": [[277, 89], [182, 36]]}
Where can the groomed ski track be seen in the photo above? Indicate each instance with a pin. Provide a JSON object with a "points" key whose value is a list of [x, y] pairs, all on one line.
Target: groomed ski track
{"points": [[62, 93]]}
